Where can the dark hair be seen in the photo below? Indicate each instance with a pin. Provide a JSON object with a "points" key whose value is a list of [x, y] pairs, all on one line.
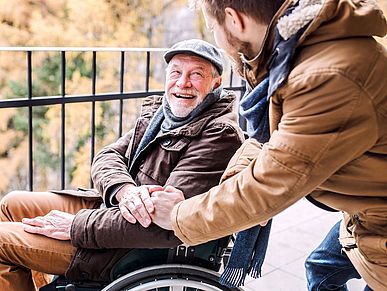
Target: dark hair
{"points": [[261, 11]]}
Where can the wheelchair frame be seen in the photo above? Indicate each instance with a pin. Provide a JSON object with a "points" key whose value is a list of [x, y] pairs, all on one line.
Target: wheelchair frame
{"points": [[186, 268], [169, 277]]}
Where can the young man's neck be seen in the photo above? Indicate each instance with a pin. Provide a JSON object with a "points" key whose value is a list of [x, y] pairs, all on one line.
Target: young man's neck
{"points": [[254, 33]]}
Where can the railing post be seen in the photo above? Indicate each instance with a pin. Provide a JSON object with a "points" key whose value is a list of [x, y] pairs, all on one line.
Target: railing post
{"points": [[63, 121], [122, 73], [30, 127], [94, 80], [147, 71]]}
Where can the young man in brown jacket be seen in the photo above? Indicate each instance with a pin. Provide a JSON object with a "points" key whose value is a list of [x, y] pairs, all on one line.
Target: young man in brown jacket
{"points": [[323, 75], [184, 138]]}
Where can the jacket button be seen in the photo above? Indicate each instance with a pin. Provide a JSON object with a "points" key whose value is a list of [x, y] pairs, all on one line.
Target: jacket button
{"points": [[166, 142], [84, 275]]}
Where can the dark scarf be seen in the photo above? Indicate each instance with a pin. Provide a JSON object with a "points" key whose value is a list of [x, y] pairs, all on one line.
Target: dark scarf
{"points": [[250, 245], [164, 120], [171, 121]]}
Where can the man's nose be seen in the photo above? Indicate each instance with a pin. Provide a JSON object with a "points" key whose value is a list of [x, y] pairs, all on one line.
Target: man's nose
{"points": [[184, 81]]}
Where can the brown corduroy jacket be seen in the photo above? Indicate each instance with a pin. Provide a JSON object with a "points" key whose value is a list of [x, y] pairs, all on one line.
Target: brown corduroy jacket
{"points": [[191, 158]]}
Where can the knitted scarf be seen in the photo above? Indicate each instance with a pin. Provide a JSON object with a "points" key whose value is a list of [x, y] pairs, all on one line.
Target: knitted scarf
{"points": [[164, 120], [250, 245]]}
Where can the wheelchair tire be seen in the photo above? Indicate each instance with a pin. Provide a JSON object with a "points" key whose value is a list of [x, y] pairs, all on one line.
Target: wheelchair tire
{"points": [[169, 277]]}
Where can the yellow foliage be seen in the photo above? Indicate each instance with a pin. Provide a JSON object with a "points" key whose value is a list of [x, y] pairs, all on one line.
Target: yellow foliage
{"points": [[5, 115], [13, 167], [15, 11], [87, 23], [81, 174], [7, 138], [77, 124]]}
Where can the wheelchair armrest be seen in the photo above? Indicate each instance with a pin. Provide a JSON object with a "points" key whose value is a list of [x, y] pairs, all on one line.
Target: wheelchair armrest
{"points": [[208, 255]]}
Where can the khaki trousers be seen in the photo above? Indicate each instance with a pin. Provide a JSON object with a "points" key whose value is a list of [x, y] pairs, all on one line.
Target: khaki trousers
{"points": [[21, 252]]}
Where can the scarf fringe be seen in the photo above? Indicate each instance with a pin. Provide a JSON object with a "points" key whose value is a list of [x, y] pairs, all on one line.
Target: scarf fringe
{"points": [[256, 270], [233, 277]]}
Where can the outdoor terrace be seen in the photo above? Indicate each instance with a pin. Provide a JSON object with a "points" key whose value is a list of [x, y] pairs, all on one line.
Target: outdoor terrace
{"points": [[296, 231]]}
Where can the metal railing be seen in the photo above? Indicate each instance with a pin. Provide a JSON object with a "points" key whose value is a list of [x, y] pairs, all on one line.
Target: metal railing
{"points": [[30, 101]]}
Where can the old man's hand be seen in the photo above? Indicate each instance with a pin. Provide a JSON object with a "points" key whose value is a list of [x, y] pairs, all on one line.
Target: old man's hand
{"points": [[164, 201], [135, 203], [56, 224]]}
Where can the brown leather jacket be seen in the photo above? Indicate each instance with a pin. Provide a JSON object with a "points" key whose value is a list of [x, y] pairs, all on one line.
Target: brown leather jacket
{"points": [[192, 158], [329, 138]]}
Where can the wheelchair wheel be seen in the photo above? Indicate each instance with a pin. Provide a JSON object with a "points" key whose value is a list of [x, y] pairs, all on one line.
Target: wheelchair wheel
{"points": [[169, 278]]}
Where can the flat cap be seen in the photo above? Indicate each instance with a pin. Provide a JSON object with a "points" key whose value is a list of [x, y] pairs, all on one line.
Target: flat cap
{"points": [[197, 47]]}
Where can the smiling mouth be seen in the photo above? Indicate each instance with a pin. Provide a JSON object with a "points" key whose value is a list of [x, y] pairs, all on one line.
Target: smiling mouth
{"points": [[183, 96]]}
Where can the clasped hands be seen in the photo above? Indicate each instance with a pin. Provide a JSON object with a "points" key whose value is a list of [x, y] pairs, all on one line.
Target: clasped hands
{"points": [[149, 203], [143, 204]]}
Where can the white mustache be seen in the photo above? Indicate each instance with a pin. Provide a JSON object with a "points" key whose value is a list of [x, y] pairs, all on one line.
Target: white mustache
{"points": [[184, 91]]}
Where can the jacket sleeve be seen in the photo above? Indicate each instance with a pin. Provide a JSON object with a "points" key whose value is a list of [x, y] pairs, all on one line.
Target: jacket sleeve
{"points": [[107, 229], [321, 130], [110, 166], [203, 162], [242, 158], [199, 168]]}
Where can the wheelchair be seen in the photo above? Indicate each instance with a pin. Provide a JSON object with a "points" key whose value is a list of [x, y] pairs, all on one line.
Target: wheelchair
{"points": [[176, 269]]}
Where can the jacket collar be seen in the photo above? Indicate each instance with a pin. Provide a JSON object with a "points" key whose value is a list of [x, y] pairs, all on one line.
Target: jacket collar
{"points": [[255, 69], [335, 19], [195, 127]]}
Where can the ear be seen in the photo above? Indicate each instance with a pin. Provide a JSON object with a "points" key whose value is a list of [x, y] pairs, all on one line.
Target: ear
{"points": [[234, 20], [218, 82]]}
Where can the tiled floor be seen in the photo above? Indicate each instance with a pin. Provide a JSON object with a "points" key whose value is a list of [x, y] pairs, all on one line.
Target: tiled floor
{"points": [[295, 233]]}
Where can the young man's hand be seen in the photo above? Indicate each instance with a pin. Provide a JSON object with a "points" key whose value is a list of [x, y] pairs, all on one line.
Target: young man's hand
{"points": [[164, 201], [56, 224], [135, 203]]}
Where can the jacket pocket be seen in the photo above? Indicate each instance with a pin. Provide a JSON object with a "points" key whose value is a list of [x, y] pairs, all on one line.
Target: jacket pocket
{"points": [[374, 219], [172, 144], [373, 248], [161, 160], [81, 193]]}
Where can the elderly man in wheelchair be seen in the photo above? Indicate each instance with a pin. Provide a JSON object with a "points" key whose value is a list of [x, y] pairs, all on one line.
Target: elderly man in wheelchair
{"points": [[90, 238]]}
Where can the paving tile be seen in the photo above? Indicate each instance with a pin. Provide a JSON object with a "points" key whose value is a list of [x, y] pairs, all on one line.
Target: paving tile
{"points": [[296, 268], [267, 268], [356, 285], [295, 233], [320, 226], [276, 281], [295, 237], [303, 213], [279, 253]]}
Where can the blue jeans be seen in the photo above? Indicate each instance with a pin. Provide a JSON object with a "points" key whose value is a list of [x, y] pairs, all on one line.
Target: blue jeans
{"points": [[327, 267]]}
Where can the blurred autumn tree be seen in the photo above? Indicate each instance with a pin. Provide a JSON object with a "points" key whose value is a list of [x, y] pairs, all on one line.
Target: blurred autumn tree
{"points": [[84, 23]]}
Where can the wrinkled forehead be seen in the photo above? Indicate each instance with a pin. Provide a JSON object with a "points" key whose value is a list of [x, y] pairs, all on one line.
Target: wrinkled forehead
{"points": [[188, 60]]}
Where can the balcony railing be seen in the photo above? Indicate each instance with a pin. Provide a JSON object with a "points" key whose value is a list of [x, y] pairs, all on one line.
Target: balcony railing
{"points": [[29, 101]]}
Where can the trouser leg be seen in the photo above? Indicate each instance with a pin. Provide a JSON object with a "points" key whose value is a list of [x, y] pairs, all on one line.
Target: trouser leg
{"points": [[19, 204], [327, 267], [21, 251]]}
